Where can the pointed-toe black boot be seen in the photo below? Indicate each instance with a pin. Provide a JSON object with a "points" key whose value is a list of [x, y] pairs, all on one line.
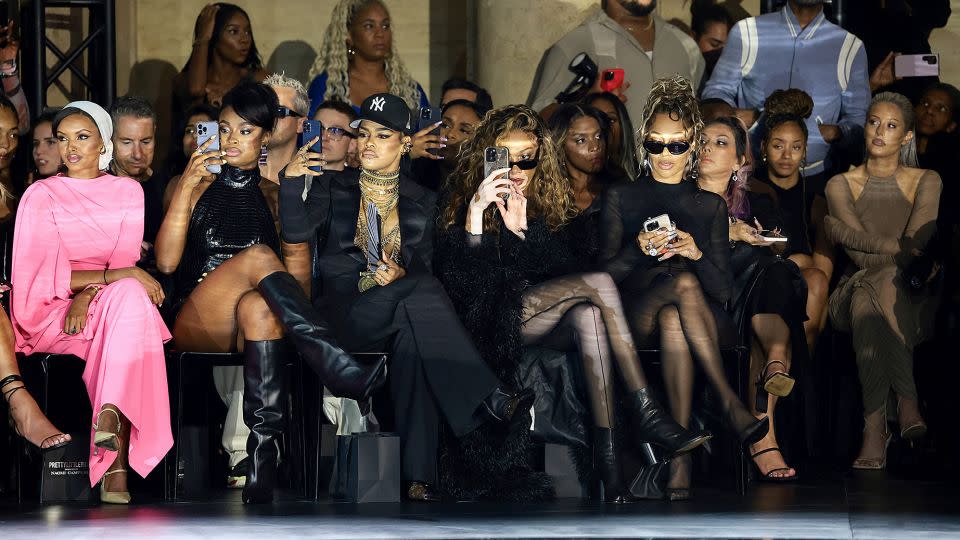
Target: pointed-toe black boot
{"points": [[263, 414], [652, 424], [606, 462], [311, 334], [502, 406]]}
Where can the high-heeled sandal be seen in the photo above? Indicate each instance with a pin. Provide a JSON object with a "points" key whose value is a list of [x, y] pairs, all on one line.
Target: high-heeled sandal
{"points": [[874, 464], [7, 394], [778, 383], [675, 494], [113, 497], [768, 477], [108, 440], [914, 431]]}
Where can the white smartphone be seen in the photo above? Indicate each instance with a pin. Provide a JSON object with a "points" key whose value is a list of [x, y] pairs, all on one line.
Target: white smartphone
{"points": [[771, 236], [917, 65]]}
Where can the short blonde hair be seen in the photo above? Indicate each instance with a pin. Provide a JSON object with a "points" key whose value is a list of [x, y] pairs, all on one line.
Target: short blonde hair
{"points": [[301, 101]]}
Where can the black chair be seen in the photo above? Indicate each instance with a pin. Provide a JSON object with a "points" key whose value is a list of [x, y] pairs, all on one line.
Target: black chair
{"points": [[189, 376]]}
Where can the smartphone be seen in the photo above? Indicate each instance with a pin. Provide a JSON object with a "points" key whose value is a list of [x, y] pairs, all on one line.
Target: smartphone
{"points": [[427, 116], [771, 236], [660, 222], [205, 132], [311, 129], [917, 65], [611, 79], [495, 157]]}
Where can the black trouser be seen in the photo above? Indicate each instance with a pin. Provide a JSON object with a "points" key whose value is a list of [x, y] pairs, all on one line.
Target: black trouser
{"points": [[434, 368]]}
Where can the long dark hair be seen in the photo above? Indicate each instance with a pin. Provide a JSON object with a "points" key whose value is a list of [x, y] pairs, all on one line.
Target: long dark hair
{"points": [[224, 13], [559, 125], [738, 205], [627, 152]]}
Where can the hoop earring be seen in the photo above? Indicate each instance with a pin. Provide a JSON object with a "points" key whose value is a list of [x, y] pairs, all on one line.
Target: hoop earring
{"points": [[263, 155], [734, 177]]}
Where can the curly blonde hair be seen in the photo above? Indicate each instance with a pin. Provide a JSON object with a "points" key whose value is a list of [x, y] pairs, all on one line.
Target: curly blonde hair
{"points": [[673, 96], [333, 58], [548, 193]]}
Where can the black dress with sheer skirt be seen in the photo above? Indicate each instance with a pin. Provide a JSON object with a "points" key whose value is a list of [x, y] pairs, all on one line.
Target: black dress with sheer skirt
{"points": [[702, 214]]}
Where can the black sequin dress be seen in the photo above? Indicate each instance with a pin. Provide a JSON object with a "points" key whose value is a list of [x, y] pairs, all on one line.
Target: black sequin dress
{"points": [[230, 216]]}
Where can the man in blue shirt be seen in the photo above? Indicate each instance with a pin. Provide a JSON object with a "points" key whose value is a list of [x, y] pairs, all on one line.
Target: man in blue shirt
{"points": [[797, 47]]}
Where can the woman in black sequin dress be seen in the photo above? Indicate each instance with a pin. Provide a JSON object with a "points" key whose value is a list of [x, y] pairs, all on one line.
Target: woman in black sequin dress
{"points": [[232, 291]]}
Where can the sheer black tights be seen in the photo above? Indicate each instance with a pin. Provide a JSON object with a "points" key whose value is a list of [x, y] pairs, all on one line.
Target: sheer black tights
{"points": [[585, 310], [678, 307]]}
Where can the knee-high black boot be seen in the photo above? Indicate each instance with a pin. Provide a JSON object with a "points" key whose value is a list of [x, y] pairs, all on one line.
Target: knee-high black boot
{"points": [[654, 425], [263, 414], [310, 332]]}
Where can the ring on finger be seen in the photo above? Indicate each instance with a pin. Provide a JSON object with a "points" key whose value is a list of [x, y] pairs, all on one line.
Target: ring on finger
{"points": [[383, 267]]}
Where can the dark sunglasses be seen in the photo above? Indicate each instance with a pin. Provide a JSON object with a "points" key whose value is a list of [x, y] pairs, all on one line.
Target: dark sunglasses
{"points": [[338, 133], [527, 164], [675, 148], [284, 112]]}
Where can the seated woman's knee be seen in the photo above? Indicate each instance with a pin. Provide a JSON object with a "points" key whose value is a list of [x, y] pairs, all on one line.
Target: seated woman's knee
{"points": [[585, 315], [817, 283], [599, 280], [687, 283], [128, 286], [254, 317], [259, 252]]}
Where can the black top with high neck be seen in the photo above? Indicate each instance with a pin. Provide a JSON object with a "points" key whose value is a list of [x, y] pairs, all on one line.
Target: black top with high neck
{"points": [[230, 216], [701, 213]]}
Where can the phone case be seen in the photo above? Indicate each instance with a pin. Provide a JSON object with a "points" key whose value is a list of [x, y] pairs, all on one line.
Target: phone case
{"points": [[611, 79], [205, 132], [311, 129], [917, 65], [495, 157], [427, 116]]}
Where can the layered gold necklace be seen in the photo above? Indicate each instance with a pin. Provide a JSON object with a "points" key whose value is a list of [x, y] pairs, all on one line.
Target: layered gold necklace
{"points": [[383, 191]]}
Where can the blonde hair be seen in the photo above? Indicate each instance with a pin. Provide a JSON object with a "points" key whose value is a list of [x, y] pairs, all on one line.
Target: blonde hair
{"points": [[301, 102], [908, 152], [548, 193], [334, 60], [675, 97]]}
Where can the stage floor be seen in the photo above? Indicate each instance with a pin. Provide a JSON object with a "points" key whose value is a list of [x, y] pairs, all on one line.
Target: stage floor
{"points": [[827, 505]]}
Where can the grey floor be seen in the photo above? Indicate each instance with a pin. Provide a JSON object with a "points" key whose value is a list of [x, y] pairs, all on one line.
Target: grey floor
{"points": [[872, 505]]}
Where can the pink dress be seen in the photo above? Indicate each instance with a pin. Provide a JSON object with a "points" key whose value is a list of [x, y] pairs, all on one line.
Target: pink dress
{"points": [[66, 224]]}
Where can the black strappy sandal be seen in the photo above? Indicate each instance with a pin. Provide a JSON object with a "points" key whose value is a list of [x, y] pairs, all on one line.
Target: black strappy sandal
{"points": [[768, 477], [13, 424], [778, 383]]}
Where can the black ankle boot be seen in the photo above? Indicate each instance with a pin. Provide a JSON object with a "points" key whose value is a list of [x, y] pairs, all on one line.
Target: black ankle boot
{"points": [[606, 463], [653, 425], [263, 414], [310, 332]]}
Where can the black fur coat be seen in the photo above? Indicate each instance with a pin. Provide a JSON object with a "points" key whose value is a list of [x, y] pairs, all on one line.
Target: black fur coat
{"points": [[485, 278]]}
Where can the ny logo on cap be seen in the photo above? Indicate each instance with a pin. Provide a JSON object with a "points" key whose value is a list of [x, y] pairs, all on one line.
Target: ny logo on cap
{"points": [[377, 104]]}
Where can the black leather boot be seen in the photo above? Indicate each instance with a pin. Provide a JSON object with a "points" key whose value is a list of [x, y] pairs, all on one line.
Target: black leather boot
{"points": [[263, 414], [654, 425], [606, 462], [311, 334]]}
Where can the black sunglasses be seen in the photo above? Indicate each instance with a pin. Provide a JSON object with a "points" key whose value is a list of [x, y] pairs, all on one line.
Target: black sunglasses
{"points": [[527, 164], [284, 112], [675, 148]]}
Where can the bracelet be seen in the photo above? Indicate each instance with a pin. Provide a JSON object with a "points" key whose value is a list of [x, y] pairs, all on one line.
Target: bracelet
{"points": [[105, 282]]}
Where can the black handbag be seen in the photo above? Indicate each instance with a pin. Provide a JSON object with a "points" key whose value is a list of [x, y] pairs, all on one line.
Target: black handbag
{"points": [[367, 468]]}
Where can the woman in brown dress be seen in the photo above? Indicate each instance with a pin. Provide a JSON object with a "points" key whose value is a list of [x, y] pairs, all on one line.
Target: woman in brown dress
{"points": [[883, 214]]}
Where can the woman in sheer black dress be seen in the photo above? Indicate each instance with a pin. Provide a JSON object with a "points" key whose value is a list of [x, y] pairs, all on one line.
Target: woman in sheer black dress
{"points": [[768, 291], [507, 260], [675, 285]]}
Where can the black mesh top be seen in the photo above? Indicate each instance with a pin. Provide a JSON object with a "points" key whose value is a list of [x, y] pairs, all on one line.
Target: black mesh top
{"points": [[700, 213], [230, 216]]}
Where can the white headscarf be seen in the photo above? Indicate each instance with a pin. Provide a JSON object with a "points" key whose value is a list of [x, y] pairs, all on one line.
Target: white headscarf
{"points": [[104, 123]]}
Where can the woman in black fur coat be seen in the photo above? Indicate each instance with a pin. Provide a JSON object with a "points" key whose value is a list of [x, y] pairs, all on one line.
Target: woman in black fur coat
{"points": [[505, 262]]}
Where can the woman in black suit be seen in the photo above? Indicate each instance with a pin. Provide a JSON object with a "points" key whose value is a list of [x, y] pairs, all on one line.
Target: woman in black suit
{"points": [[385, 297]]}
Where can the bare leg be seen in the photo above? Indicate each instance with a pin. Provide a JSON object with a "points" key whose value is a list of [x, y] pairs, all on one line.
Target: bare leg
{"points": [[29, 420], [818, 293], [771, 342], [115, 482]]}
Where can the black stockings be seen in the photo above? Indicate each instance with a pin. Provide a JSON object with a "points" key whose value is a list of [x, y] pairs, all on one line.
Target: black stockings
{"points": [[585, 309]]}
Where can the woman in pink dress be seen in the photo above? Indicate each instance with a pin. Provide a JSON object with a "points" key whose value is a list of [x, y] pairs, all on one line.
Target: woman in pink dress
{"points": [[77, 290]]}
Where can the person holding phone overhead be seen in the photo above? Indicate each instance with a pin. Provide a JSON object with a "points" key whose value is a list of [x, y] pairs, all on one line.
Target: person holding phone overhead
{"points": [[374, 232], [504, 255], [77, 290], [219, 240], [768, 291], [665, 241]]}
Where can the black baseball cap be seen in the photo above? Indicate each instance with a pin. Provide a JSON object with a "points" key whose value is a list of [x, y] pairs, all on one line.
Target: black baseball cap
{"points": [[387, 110]]}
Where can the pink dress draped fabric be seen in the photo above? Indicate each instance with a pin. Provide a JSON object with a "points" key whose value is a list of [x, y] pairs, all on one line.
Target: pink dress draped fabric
{"points": [[64, 225]]}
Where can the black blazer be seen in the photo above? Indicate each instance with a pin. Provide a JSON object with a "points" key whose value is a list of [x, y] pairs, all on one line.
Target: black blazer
{"points": [[329, 215]]}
